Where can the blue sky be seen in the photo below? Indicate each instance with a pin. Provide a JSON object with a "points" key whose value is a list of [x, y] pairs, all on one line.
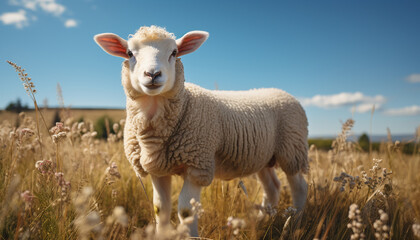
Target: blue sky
{"points": [[338, 57]]}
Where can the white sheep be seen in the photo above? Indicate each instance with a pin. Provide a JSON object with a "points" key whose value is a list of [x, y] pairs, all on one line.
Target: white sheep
{"points": [[174, 127]]}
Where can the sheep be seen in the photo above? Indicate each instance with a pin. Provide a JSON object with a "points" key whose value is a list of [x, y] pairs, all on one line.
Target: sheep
{"points": [[173, 127]]}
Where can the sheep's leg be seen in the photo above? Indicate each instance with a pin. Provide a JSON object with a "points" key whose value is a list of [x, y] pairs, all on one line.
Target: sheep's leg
{"points": [[189, 191], [162, 200], [271, 185], [299, 189]]}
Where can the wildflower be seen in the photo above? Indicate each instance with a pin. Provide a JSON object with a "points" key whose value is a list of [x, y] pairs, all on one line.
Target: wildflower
{"points": [[22, 135], [312, 148], [59, 132], [121, 132], [27, 84], [345, 179], [166, 232], [235, 224], [374, 180], [64, 185], [27, 198], [112, 173], [381, 227], [12, 135], [119, 216], [89, 136], [196, 208], [26, 133], [45, 167], [339, 144], [355, 224], [81, 127], [115, 127], [59, 176]]}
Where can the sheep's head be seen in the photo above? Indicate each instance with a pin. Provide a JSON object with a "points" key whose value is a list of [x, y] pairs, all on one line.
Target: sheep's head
{"points": [[151, 54]]}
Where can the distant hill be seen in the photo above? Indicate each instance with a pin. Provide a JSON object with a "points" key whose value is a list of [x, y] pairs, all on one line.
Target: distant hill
{"points": [[373, 138], [87, 114]]}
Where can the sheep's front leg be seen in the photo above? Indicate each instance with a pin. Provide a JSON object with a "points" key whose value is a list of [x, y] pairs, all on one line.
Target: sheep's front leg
{"points": [[162, 200], [189, 191]]}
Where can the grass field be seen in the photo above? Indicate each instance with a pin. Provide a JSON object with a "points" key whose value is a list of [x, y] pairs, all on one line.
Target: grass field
{"points": [[76, 191], [67, 184]]}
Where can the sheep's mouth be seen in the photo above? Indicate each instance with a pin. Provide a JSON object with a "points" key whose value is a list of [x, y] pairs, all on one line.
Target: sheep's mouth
{"points": [[153, 86]]}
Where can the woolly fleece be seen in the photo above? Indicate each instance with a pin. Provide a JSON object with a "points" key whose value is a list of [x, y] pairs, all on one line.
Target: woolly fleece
{"points": [[207, 134]]}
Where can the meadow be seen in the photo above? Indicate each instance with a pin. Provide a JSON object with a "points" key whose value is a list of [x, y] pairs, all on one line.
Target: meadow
{"points": [[63, 182]]}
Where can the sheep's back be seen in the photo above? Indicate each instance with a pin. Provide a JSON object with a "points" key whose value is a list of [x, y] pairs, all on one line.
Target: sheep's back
{"points": [[250, 123]]}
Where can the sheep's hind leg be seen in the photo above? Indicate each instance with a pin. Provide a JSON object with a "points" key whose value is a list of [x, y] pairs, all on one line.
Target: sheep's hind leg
{"points": [[271, 185], [162, 201], [189, 191], [299, 189]]}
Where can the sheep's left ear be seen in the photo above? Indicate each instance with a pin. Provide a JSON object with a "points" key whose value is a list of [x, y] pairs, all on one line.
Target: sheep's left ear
{"points": [[191, 42], [112, 44]]}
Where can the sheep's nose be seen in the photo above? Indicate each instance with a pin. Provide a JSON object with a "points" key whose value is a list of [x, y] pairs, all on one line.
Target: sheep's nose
{"points": [[153, 75]]}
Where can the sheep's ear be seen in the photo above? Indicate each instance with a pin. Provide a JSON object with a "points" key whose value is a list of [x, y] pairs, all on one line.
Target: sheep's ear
{"points": [[191, 42], [112, 44]]}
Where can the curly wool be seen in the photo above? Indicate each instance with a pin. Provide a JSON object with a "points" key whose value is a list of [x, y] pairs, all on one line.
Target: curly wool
{"points": [[207, 134], [152, 33]]}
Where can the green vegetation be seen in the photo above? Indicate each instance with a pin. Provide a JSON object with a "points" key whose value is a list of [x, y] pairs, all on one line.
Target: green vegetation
{"points": [[16, 106], [364, 142], [103, 126]]}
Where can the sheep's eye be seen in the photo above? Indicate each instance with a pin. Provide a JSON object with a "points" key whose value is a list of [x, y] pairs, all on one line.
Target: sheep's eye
{"points": [[129, 53], [173, 54]]}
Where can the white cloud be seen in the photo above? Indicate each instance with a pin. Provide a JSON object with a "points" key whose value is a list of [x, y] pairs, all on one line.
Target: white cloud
{"points": [[413, 78], [49, 6], [18, 18], [70, 23], [405, 111], [367, 107], [361, 102]]}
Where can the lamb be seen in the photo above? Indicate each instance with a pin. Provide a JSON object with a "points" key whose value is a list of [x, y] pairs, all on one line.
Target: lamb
{"points": [[173, 127]]}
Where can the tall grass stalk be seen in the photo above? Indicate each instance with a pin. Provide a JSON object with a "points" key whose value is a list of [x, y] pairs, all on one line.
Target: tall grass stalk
{"points": [[30, 90]]}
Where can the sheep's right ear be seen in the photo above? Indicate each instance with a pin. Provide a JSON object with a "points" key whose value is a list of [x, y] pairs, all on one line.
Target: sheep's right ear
{"points": [[112, 44]]}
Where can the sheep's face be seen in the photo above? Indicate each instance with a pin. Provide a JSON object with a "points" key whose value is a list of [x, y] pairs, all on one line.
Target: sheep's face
{"points": [[152, 54], [152, 65]]}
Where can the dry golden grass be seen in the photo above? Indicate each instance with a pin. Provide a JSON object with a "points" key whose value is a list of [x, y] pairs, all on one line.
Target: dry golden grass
{"points": [[55, 211], [67, 184]]}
